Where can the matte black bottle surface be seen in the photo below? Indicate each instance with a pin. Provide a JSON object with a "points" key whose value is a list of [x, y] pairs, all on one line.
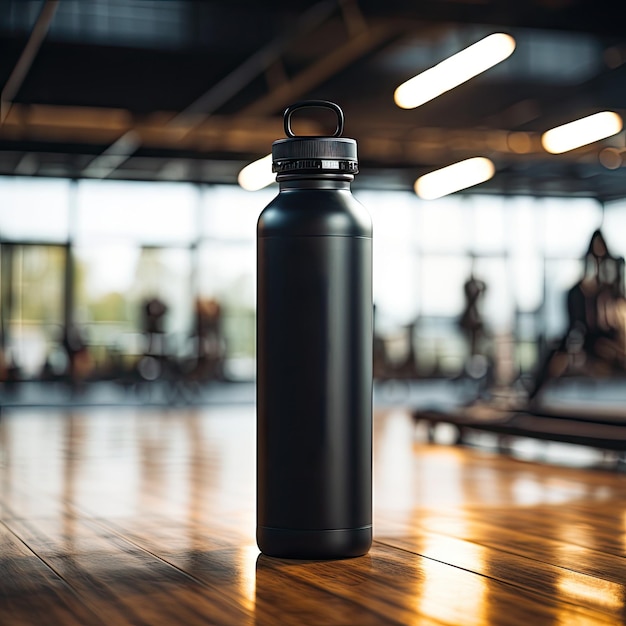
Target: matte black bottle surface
{"points": [[314, 353]]}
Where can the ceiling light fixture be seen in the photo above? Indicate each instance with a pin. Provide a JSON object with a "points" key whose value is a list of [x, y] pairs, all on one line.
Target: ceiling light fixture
{"points": [[455, 70], [581, 132], [454, 177], [257, 174]]}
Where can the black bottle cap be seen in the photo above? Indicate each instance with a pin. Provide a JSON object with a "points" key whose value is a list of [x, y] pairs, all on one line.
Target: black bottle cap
{"points": [[311, 154]]}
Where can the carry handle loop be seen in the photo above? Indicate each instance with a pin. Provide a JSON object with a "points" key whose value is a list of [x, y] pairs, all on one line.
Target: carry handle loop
{"points": [[322, 104]]}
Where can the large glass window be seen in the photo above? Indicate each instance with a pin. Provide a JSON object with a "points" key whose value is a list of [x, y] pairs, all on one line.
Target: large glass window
{"points": [[497, 305], [614, 227], [569, 224], [146, 213], [190, 245], [32, 304], [34, 209], [114, 281], [561, 275], [226, 271], [488, 223], [524, 244], [226, 275], [230, 213], [568, 227], [395, 221], [446, 225], [133, 242]]}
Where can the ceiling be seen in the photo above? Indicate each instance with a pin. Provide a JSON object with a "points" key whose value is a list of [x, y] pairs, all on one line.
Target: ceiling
{"points": [[167, 90]]}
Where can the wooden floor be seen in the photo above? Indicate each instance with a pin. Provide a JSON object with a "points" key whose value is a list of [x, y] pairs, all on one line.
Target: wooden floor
{"points": [[121, 516]]}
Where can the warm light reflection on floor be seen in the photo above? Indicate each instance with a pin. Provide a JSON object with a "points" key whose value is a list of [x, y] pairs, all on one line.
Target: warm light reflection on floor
{"points": [[528, 491], [406, 471], [246, 573], [447, 594], [576, 534], [586, 590]]}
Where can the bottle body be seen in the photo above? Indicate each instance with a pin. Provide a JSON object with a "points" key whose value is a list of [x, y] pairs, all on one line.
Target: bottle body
{"points": [[314, 373]]}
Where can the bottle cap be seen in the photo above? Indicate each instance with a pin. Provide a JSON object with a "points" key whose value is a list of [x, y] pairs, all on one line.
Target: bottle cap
{"points": [[312, 154]]}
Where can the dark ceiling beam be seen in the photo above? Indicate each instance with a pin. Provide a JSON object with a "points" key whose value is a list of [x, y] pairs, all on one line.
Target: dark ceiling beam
{"points": [[232, 137], [24, 63]]}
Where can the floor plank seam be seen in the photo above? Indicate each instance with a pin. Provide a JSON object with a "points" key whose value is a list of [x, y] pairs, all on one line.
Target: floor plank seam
{"points": [[67, 585], [571, 543], [135, 619], [585, 610], [497, 548], [111, 527]]}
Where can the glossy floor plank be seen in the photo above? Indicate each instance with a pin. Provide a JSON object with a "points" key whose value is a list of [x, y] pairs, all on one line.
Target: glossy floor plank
{"points": [[504, 538], [131, 516], [32, 592]]}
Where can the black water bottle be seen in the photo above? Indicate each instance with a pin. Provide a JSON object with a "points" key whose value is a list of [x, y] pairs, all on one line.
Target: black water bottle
{"points": [[314, 352]]}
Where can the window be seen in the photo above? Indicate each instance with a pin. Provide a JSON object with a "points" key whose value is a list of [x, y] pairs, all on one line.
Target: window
{"points": [[34, 209], [145, 213], [569, 224]]}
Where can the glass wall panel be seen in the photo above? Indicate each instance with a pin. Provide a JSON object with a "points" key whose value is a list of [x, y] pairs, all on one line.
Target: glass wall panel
{"points": [[614, 227], [34, 209], [442, 283], [569, 224], [395, 222], [561, 275], [439, 344], [497, 305], [524, 225], [226, 271], [526, 282], [229, 212], [488, 223], [147, 213], [446, 225], [133, 241], [32, 306], [226, 275], [113, 282], [164, 274]]}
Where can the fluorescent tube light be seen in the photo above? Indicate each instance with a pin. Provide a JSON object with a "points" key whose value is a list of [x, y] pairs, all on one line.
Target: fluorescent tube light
{"points": [[454, 177], [581, 132], [257, 174], [453, 71]]}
